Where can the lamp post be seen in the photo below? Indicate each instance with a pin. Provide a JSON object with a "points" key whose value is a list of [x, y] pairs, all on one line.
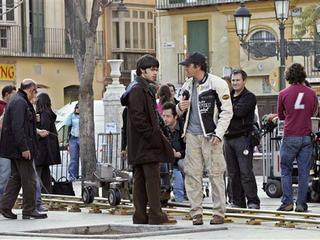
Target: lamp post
{"points": [[242, 21], [282, 11], [318, 26]]}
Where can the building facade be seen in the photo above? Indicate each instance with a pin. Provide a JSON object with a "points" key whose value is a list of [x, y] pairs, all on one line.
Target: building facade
{"points": [[208, 26], [34, 44], [129, 33]]}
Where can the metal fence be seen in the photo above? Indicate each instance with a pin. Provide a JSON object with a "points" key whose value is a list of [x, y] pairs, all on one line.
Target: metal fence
{"points": [[107, 151], [45, 42], [167, 4]]}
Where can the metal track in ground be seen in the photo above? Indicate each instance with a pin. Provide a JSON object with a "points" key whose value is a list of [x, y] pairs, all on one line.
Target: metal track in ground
{"points": [[253, 215]]}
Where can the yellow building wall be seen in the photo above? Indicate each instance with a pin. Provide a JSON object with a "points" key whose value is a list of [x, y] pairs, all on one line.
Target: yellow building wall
{"points": [[223, 41], [55, 74], [172, 28]]}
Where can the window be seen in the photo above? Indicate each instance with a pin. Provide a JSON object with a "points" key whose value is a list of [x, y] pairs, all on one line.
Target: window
{"points": [[127, 35], [135, 14], [137, 29], [7, 10], [116, 36], [262, 36], [150, 35], [135, 35], [142, 36], [142, 15], [115, 14], [3, 38]]}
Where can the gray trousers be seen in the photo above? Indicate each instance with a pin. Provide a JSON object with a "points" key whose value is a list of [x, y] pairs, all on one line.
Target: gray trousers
{"points": [[23, 175]]}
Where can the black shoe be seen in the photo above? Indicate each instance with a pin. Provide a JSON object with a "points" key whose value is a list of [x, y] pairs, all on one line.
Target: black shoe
{"points": [[35, 214], [7, 213], [302, 208], [285, 207], [253, 206]]}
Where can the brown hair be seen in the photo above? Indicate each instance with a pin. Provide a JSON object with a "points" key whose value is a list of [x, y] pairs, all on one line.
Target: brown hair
{"points": [[296, 74]]}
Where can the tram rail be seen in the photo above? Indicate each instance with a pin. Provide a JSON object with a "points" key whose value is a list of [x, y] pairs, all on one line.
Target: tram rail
{"points": [[254, 216]]}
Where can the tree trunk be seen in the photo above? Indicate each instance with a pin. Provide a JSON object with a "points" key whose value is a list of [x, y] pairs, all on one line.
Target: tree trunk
{"points": [[85, 66], [87, 133]]}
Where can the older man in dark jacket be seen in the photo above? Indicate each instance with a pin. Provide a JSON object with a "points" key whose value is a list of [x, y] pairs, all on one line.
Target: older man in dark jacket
{"points": [[146, 144], [19, 143]]}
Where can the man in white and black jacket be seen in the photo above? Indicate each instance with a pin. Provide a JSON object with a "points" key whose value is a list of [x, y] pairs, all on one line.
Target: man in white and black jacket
{"points": [[206, 100], [238, 148]]}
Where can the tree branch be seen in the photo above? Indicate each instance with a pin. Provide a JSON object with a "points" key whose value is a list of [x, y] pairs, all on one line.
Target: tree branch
{"points": [[95, 14], [81, 14]]}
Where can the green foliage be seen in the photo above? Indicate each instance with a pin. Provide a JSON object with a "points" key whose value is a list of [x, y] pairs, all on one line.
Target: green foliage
{"points": [[307, 22]]}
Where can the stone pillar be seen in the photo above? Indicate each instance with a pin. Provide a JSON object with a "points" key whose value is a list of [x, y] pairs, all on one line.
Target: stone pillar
{"points": [[111, 98], [113, 117]]}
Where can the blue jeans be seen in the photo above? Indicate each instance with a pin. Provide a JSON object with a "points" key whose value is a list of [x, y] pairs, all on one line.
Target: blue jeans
{"points": [[38, 192], [299, 148], [178, 185], [5, 172], [74, 148]]}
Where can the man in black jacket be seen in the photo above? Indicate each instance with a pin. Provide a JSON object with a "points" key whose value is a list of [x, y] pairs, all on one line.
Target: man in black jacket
{"points": [[238, 148], [19, 144]]}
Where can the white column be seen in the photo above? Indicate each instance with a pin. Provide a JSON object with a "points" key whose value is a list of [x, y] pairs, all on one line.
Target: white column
{"points": [[113, 115], [111, 97]]}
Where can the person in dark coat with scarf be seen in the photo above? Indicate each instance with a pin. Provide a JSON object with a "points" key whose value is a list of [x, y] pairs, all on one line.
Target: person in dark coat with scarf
{"points": [[48, 147], [20, 146], [147, 146]]}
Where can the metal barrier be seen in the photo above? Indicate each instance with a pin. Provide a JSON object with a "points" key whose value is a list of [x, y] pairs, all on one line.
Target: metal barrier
{"points": [[107, 150]]}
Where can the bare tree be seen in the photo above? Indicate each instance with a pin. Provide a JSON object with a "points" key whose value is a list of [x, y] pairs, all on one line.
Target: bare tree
{"points": [[82, 37]]}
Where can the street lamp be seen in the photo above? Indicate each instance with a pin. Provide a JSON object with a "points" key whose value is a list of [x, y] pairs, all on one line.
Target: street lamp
{"points": [[242, 21], [121, 7], [282, 11], [318, 26]]}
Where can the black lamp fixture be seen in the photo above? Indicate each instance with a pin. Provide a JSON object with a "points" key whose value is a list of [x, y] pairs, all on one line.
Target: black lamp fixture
{"points": [[121, 7], [242, 21], [281, 8]]}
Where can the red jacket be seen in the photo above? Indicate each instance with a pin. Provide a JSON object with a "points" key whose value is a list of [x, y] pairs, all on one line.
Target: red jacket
{"points": [[2, 106]]}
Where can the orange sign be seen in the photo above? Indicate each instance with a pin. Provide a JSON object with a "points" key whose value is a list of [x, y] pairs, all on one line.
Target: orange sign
{"points": [[7, 72]]}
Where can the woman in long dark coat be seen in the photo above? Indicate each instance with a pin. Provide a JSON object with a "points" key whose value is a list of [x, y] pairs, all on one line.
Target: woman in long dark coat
{"points": [[48, 147]]}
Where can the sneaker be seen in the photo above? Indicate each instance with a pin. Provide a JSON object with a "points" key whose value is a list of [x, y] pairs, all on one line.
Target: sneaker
{"points": [[253, 206], [285, 207], [197, 219], [302, 208], [216, 219]]}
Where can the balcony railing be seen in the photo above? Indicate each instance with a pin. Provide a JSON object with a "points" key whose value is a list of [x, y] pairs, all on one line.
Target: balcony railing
{"points": [[181, 71], [168, 4], [46, 42]]}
